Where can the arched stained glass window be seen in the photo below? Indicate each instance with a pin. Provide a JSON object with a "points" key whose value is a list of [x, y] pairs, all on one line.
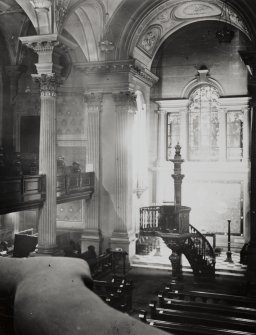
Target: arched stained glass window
{"points": [[204, 124]]}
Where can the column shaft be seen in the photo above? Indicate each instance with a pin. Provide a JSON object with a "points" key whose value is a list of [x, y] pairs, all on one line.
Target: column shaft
{"points": [[91, 235], [125, 105], [48, 166], [161, 155]]}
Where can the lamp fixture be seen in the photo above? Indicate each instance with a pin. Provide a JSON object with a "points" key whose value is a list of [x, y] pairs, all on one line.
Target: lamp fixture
{"points": [[224, 32]]}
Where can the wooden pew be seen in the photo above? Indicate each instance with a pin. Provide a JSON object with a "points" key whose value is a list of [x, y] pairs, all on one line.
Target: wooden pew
{"points": [[115, 292], [236, 311], [206, 319], [210, 297], [179, 328]]}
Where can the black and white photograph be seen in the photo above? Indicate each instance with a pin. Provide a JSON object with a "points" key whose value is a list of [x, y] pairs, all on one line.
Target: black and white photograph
{"points": [[127, 167]]}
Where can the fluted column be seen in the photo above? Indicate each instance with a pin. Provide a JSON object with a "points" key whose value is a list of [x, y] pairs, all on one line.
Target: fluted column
{"points": [[125, 107], [47, 164], [91, 235], [161, 155], [48, 78]]}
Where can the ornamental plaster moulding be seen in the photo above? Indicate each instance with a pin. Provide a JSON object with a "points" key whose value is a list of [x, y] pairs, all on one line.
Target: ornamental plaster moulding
{"points": [[195, 10], [39, 43], [150, 39]]}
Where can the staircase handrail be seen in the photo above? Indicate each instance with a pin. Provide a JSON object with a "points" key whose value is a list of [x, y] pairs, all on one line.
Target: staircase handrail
{"points": [[211, 254]]}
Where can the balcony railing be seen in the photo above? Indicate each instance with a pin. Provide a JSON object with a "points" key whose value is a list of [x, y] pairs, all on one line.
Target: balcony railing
{"points": [[74, 186], [21, 192]]}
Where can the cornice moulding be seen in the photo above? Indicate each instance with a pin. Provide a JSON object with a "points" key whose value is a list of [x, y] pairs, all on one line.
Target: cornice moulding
{"points": [[234, 102], [124, 66], [179, 103], [38, 38]]}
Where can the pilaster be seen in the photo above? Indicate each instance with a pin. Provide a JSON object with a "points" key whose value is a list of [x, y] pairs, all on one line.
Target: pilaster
{"points": [[184, 119], [125, 107], [92, 233], [161, 154]]}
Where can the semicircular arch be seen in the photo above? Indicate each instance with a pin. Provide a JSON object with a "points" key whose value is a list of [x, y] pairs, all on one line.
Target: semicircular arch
{"points": [[147, 35]]}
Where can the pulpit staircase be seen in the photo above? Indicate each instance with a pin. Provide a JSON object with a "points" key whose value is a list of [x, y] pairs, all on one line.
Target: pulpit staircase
{"points": [[200, 254], [171, 223], [160, 220]]}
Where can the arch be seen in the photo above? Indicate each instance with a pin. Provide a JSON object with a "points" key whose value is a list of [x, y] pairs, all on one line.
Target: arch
{"points": [[169, 16], [203, 78]]}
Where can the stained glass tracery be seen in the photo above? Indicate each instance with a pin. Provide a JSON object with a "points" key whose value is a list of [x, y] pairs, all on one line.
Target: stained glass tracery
{"points": [[204, 124]]}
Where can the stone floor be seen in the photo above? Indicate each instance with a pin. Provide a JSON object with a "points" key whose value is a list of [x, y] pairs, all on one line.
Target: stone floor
{"points": [[156, 260]]}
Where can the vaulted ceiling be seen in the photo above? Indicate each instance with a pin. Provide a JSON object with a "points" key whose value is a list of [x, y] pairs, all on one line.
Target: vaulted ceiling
{"points": [[123, 22]]}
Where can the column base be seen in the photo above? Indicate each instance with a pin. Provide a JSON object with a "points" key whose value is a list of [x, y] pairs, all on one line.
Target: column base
{"points": [[91, 237], [124, 241], [48, 251]]}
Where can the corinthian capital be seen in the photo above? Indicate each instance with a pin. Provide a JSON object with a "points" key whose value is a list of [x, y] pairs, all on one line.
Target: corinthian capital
{"points": [[48, 84]]}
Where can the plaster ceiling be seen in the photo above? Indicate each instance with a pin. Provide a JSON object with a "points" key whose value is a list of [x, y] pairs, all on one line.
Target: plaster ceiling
{"points": [[86, 19]]}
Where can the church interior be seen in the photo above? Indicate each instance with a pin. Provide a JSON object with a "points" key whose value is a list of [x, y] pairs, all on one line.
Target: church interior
{"points": [[128, 140]]}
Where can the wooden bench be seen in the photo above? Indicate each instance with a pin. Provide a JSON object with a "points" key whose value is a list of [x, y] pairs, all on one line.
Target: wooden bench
{"points": [[115, 292], [236, 311], [209, 297], [178, 328], [206, 319]]}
